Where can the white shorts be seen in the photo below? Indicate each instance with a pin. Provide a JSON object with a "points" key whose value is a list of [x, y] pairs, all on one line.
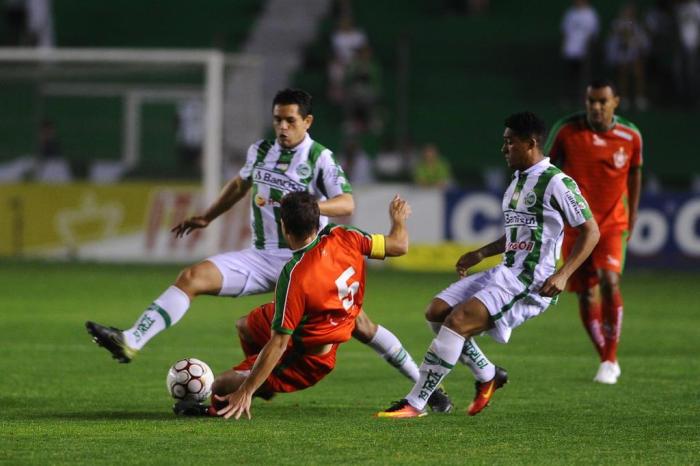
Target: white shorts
{"points": [[260, 267], [506, 298]]}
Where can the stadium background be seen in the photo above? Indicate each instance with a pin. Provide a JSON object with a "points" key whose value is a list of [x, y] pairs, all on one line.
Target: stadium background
{"points": [[448, 78]]}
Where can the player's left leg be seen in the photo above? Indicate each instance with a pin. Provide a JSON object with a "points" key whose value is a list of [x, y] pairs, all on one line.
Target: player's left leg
{"points": [[386, 344], [389, 347], [612, 310], [465, 320]]}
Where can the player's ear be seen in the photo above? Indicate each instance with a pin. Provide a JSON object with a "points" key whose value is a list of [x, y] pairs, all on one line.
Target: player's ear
{"points": [[308, 120]]}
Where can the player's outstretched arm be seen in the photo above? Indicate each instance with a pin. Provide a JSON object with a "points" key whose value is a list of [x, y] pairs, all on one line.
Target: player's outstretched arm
{"points": [[471, 258], [396, 242], [338, 206], [586, 241], [240, 400], [233, 192]]}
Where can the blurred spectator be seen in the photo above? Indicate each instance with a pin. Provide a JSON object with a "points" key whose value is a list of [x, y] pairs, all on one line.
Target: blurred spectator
{"points": [[50, 166], [356, 163], [190, 132], [40, 23], [687, 13], [363, 85], [49, 147], [345, 41], [579, 27], [15, 13], [626, 49], [660, 26], [432, 170]]}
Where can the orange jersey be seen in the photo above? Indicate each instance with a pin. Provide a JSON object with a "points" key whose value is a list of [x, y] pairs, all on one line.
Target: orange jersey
{"points": [[600, 163], [320, 290]]}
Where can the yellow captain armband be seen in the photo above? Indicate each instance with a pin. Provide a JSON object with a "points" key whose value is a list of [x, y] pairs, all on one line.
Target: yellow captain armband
{"points": [[378, 247]]}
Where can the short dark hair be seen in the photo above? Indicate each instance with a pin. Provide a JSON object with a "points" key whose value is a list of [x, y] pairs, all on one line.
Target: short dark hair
{"points": [[600, 83], [294, 96], [527, 125], [300, 214]]}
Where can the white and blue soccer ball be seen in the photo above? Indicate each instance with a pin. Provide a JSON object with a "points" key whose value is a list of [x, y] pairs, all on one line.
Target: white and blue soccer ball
{"points": [[190, 379]]}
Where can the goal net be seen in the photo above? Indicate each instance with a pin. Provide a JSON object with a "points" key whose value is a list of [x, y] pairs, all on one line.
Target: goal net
{"points": [[158, 118]]}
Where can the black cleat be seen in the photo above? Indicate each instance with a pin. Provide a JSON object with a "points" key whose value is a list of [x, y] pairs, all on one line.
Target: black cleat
{"points": [[439, 402], [112, 340], [191, 408]]}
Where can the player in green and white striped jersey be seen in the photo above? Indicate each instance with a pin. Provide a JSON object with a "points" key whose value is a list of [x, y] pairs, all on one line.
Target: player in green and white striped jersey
{"points": [[273, 168], [538, 201]]}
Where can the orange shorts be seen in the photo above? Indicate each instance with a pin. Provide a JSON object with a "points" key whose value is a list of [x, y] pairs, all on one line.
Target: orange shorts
{"points": [[608, 254], [296, 369]]}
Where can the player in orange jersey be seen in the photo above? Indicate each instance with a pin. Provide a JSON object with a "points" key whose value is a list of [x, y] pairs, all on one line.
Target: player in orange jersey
{"points": [[291, 345], [602, 152]]}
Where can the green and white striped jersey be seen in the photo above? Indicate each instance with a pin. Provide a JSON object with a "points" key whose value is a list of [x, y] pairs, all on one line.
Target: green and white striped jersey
{"points": [[535, 206], [276, 171]]}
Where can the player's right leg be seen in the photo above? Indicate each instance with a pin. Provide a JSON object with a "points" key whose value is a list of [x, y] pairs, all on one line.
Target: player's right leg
{"points": [[472, 356], [165, 311]]}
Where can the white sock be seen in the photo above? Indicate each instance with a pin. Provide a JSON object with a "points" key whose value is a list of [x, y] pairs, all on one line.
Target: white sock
{"points": [[390, 348], [476, 360], [165, 311], [441, 357]]}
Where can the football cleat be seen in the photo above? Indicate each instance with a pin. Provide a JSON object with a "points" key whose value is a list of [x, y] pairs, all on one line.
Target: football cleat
{"points": [[112, 340], [402, 410], [485, 390], [192, 408], [439, 402], [608, 372]]}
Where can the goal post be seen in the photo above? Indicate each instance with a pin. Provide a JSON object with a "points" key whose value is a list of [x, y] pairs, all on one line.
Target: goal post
{"points": [[217, 70]]}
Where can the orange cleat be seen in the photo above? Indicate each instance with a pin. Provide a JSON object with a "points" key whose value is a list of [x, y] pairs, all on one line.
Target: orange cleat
{"points": [[402, 410], [484, 391]]}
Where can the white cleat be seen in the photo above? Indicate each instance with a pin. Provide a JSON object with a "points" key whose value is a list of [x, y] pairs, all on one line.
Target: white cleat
{"points": [[618, 371], [608, 372]]}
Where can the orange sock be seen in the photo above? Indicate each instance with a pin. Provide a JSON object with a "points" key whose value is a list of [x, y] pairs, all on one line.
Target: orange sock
{"points": [[592, 322], [612, 325]]}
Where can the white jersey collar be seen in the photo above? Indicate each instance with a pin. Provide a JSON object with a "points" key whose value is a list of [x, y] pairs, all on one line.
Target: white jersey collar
{"points": [[539, 166], [303, 144]]}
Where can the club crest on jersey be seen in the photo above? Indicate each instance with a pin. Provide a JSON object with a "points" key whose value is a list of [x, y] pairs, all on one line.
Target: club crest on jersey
{"points": [[620, 158], [530, 199], [303, 170], [260, 201]]}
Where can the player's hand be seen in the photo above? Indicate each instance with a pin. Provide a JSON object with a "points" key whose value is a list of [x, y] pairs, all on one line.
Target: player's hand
{"points": [[399, 209], [467, 261], [238, 404], [189, 225], [554, 285]]}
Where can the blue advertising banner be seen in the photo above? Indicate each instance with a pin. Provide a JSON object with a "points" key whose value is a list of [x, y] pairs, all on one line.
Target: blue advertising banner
{"points": [[667, 233]]}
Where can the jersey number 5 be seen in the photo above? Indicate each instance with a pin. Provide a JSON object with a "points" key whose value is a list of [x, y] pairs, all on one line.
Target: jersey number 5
{"points": [[346, 292]]}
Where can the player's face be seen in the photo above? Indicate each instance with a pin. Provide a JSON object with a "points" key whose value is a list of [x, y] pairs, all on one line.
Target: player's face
{"points": [[516, 150], [290, 126], [600, 106]]}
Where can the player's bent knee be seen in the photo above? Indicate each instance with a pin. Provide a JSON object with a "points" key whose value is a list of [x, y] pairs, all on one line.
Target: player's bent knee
{"points": [[242, 328], [202, 278], [437, 311], [226, 383], [469, 319]]}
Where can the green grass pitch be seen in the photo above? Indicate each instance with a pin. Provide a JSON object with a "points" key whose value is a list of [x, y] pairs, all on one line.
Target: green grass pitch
{"points": [[64, 401]]}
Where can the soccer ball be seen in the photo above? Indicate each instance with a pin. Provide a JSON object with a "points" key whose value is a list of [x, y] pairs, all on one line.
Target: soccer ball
{"points": [[190, 379]]}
